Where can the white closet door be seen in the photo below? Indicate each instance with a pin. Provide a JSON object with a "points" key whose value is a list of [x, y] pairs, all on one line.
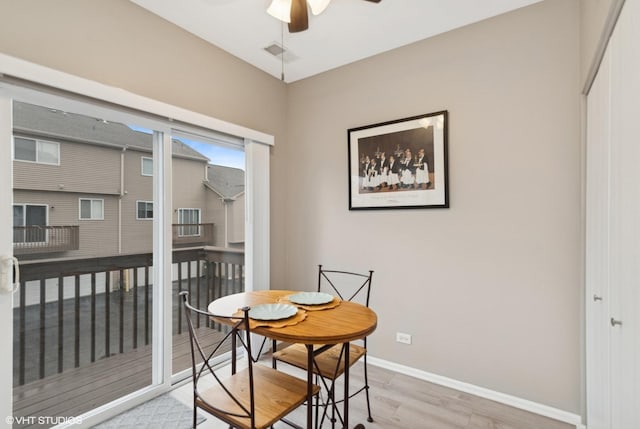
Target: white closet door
{"points": [[613, 231], [597, 250], [625, 219]]}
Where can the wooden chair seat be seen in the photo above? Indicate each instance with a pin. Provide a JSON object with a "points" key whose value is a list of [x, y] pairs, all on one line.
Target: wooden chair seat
{"points": [[276, 395], [326, 363], [255, 397]]}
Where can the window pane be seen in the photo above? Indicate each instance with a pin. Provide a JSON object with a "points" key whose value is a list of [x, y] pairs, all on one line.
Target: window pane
{"points": [[190, 219], [201, 218], [145, 210], [18, 216], [147, 167], [36, 216], [25, 149], [96, 209], [85, 209], [18, 221], [48, 153]]}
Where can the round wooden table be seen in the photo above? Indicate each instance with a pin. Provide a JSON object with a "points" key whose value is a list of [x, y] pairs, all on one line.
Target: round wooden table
{"points": [[349, 321]]}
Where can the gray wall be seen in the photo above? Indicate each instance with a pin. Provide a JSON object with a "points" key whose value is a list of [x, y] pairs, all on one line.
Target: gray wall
{"points": [[490, 289]]}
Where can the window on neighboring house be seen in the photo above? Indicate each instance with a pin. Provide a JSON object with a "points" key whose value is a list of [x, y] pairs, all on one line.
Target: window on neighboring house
{"points": [[28, 223], [147, 166], [189, 220], [36, 151], [91, 209], [144, 210]]}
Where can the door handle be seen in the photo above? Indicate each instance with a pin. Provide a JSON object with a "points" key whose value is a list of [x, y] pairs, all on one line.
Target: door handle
{"points": [[597, 298], [6, 262], [615, 322]]}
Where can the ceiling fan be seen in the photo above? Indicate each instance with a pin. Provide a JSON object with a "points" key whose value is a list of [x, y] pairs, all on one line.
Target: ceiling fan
{"points": [[294, 12]]}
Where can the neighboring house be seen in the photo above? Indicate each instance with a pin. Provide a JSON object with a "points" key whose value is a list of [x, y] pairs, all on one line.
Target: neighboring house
{"points": [[83, 187], [229, 201]]}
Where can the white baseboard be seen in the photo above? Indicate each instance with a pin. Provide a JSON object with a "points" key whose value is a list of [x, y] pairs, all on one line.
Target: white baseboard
{"points": [[503, 398]]}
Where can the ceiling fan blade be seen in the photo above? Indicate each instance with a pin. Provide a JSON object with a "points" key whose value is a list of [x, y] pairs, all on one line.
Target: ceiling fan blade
{"points": [[299, 16], [374, 1]]}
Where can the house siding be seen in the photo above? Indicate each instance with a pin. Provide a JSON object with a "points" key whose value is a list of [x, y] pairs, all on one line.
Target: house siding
{"points": [[94, 172], [215, 214], [137, 235], [188, 188], [236, 220], [83, 168]]}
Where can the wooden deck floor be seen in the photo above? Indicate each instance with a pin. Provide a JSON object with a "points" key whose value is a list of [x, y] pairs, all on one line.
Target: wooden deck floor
{"points": [[79, 390]]}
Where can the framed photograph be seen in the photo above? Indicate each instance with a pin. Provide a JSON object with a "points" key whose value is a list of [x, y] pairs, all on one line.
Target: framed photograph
{"points": [[399, 164]]}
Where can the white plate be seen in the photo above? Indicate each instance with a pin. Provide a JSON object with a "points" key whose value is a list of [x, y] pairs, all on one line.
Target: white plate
{"points": [[272, 311], [310, 298]]}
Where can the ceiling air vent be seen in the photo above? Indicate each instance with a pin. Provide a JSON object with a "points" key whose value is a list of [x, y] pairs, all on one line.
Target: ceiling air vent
{"points": [[280, 53]]}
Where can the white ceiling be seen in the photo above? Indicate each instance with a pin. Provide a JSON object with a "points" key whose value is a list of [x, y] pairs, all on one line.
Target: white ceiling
{"points": [[347, 31]]}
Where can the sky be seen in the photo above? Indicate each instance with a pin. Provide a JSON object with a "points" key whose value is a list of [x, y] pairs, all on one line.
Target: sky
{"points": [[217, 154]]}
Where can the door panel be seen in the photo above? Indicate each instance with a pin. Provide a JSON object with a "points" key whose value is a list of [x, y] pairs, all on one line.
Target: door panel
{"points": [[625, 219], [82, 319], [613, 232], [208, 253], [597, 251]]}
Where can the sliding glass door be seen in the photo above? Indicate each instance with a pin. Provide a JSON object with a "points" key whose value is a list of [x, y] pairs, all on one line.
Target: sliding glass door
{"points": [[100, 205], [208, 199], [83, 332]]}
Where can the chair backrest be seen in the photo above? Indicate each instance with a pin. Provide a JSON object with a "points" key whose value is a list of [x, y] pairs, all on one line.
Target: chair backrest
{"points": [[348, 286], [238, 337]]}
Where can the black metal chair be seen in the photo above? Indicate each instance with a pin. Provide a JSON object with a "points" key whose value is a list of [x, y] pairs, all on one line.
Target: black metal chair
{"points": [[328, 361], [254, 397]]}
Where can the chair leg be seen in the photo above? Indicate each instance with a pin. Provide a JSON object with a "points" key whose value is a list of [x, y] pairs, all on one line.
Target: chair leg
{"points": [[195, 416], [317, 406], [332, 401], [366, 389]]}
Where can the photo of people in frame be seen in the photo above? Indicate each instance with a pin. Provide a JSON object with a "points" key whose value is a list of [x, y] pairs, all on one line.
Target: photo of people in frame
{"points": [[397, 162]]}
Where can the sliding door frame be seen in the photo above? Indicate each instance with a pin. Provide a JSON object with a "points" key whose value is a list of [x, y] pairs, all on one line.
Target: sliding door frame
{"points": [[6, 249], [35, 84]]}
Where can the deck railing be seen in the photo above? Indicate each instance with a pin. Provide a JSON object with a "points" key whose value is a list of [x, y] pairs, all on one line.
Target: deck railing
{"points": [[36, 239], [71, 312], [45, 239], [193, 234]]}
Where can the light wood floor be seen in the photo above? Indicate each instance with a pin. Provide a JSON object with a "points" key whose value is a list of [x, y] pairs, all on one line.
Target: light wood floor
{"points": [[403, 402]]}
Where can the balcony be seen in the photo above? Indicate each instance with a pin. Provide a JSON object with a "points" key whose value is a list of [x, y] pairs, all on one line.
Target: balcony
{"points": [[45, 239], [193, 234], [83, 327], [40, 239]]}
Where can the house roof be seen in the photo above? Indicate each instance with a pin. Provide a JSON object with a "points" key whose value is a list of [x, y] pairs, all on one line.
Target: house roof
{"points": [[228, 182], [56, 124]]}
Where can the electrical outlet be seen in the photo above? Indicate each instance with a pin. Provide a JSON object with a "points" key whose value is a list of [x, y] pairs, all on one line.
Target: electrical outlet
{"points": [[403, 338]]}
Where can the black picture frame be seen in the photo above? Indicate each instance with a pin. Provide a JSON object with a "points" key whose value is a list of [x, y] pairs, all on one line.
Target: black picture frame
{"points": [[400, 164]]}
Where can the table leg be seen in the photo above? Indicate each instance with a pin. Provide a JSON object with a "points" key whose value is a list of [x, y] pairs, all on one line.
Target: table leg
{"points": [[346, 385], [309, 386]]}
